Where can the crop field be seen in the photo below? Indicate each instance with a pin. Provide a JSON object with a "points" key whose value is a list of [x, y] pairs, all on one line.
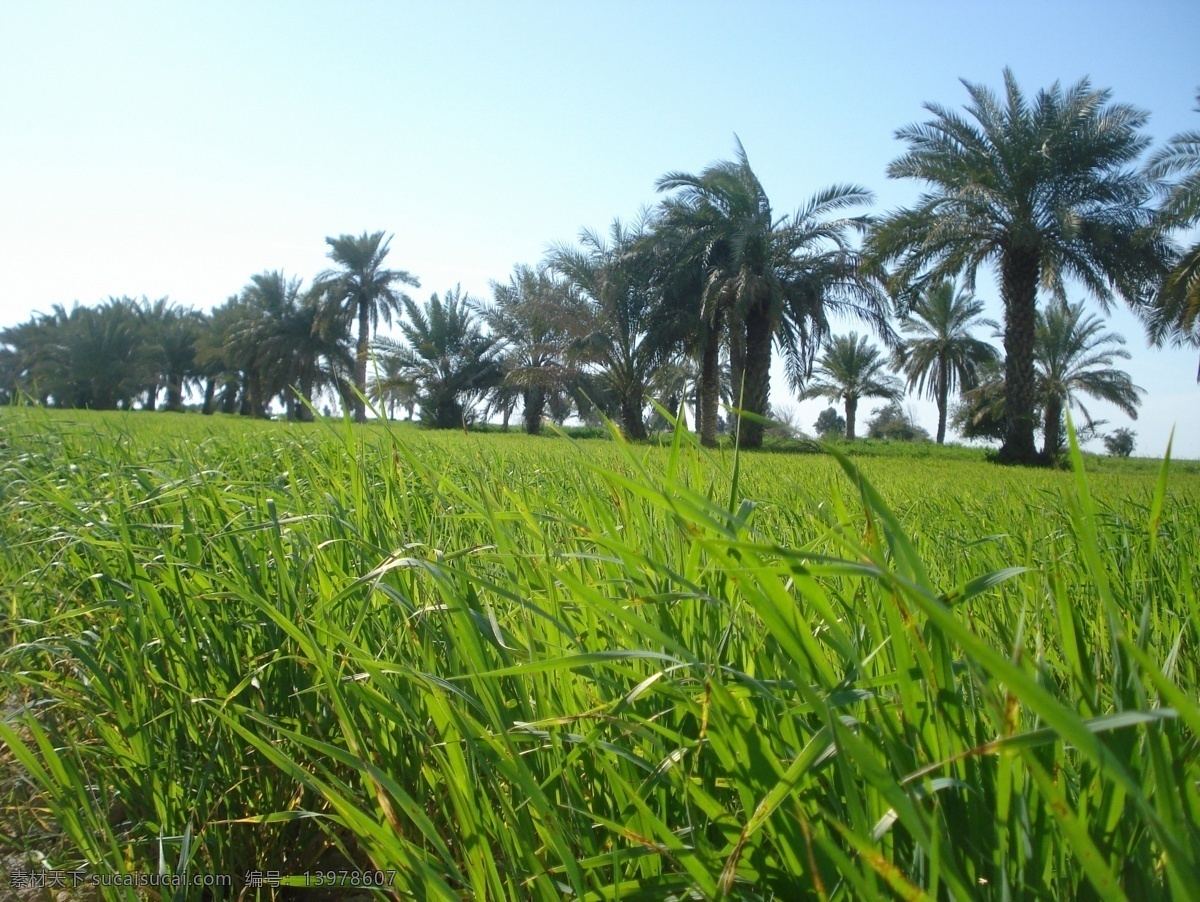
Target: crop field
{"points": [[479, 666]]}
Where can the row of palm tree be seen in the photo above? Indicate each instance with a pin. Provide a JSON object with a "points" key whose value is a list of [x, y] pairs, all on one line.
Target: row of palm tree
{"points": [[104, 356], [692, 300], [1046, 190], [273, 341], [1074, 356]]}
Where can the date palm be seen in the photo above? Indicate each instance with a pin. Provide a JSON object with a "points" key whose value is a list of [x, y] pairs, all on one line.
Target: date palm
{"points": [[1044, 190], [305, 357], [689, 322], [622, 304], [216, 360], [97, 355], [363, 289], [766, 275], [175, 344], [447, 356], [850, 369], [939, 354], [534, 316], [393, 386], [168, 349], [1077, 356], [1175, 313], [27, 364], [266, 303]]}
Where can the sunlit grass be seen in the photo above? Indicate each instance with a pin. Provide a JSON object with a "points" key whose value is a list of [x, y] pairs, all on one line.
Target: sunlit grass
{"points": [[514, 668]]}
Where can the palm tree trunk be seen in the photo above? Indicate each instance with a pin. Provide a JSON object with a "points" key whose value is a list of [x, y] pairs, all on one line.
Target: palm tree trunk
{"points": [[710, 383], [737, 359], [257, 403], [175, 393], [245, 407], [757, 391], [1019, 273], [1053, 428], [851, 409], [210, 394], [534, 400], [631, 418], [942, 397], [229, 396], [151, 397], [303, 412], [360, 362]]}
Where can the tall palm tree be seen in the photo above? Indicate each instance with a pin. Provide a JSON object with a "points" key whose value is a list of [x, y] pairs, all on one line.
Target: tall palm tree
{"points": [[771, 275], [689, 321], [216, 359], [1175, 312], [363, 288], [852, 369], [621, 341], [155, 318], [448, 357], [393, 386], [309, 357], [176, 347], [939, 353], [267, 302], [535, 317], [97, 354], [1043, 190], [1076, 356], [27, 358]]}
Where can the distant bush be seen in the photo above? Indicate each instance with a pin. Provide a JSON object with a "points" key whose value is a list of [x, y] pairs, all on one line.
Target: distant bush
{"points": [[1120, 442], [894, 424], [830, 424]]}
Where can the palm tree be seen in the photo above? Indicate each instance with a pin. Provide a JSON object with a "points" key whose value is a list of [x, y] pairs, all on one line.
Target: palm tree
{"points": [[940, 354], [1175, 312], [309, 356], [535, 317], [689, 321], [1075, 355], [216, 360], [27, 358], [176, 347], [267, 302], [362, 288], [393, 386], [95, 356], [1043, 191], [852, 369], [621, 341], [154, 318], [448, 357], [769, 275]]}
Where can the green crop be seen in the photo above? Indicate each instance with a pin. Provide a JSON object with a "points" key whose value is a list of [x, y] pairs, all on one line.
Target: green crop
{"points": [[513, 668]]}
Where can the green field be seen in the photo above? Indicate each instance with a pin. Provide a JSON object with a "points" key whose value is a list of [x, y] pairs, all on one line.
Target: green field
{"points": [[502, 667]]}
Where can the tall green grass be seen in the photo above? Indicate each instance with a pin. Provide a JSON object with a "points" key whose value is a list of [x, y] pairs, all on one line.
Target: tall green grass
{"points": [[511, 669]]}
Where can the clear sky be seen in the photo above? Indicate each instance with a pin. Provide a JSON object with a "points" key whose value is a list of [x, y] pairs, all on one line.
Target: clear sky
{"points": [[178, 148]]}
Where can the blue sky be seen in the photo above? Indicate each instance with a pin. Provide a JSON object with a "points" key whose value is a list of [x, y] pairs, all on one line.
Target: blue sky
{"points": [[179, 148]]}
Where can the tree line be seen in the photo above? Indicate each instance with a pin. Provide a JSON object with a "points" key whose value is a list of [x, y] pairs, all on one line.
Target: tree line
{"points": [[689, 302]]}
